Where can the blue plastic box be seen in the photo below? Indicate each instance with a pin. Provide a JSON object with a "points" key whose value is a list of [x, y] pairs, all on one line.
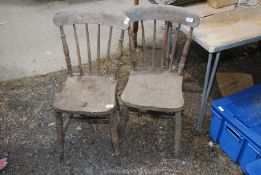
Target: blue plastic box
{"points": [[236, 125], [254, 168]]}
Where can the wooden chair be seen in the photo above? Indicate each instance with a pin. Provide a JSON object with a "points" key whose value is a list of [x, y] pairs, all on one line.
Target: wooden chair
{"points": [[88, 95], [158, 88]]}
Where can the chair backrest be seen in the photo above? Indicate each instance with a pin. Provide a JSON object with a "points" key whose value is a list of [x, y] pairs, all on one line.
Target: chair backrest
{"points": [[74, 18], [172, 15]]}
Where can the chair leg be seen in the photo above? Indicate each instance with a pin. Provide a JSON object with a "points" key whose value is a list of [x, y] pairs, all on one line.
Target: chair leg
{"points": [[124, 117], [113, 130], [60, 134], [177, 119]]}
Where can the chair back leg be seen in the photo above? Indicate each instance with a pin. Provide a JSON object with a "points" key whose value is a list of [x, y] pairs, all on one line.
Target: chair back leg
{"points": [[124, 117], [113, 130], [177, 119], [60, 134]]}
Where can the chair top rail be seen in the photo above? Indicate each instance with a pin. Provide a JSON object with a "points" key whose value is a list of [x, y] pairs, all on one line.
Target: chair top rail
{"points": [[74, 17], [163, 12]]}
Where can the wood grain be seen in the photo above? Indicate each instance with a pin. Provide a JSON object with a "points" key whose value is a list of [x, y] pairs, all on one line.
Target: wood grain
{"points": [[74, 17], [154, 91], [87, 95]]}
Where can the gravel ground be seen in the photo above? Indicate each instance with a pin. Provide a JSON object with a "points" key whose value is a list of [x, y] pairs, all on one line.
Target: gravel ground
{"points": [[28, 135]]}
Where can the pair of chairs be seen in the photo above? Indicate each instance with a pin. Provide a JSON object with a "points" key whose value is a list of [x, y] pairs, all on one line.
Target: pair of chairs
{"points": [[150, 87]]}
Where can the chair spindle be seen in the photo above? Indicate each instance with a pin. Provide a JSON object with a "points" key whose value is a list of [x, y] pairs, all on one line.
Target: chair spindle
{"points": [[165, 45], [78, 50], [132, 54], [66, 52], [154, 45], [88, 48], [98, 49], [169, 44], [118, 55], [143, 43], [108, 50], [174, 46], [185, 52]]}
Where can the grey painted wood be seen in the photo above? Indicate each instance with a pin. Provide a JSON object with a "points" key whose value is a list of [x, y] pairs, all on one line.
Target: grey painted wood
{"points": [[108, 50], [74, 17], [163, 12], [88, 48], [154, 91], [87, 95], [78, 50]]}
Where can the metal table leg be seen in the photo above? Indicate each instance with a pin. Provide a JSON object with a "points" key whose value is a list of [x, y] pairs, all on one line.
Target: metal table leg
{"points": [[207, 87]]}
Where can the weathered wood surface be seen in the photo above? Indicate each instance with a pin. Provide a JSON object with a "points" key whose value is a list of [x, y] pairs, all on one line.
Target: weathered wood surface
{"points": [[229, 83], [73, 17], [88, 48], [87, 95], [78, 50], [228, 29], [164, 13], [220, 3], [203, 9], [154, 91], [66, 52]]}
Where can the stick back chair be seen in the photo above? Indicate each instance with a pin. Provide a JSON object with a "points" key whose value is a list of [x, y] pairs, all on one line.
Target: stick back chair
{"points": [[159, 88], [90, 95]]}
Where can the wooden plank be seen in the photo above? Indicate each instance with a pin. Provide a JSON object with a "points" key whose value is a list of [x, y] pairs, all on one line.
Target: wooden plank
{"points": [[228, 29], [203, 9], [74, 17], [163, 12]]}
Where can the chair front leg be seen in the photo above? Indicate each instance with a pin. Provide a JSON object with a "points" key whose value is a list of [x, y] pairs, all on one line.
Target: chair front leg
{"points": [[60, 134], [124, 117], [113, 130], [177, 119]]}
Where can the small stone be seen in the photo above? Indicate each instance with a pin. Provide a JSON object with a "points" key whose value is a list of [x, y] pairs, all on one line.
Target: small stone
{"points": [[211, 144], [84, 141], [29, 154], [51, 124], [183, 162], [24, 119], [79, 128]]}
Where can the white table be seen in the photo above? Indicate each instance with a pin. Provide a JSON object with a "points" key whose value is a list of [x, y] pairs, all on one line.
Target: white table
{"points": [[221, 31]]}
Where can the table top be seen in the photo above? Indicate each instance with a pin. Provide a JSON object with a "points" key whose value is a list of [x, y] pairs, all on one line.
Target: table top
{"points": [[228, 29]]}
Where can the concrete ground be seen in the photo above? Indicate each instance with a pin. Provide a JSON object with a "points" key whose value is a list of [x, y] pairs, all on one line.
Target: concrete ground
{"points": [[30, 43]]}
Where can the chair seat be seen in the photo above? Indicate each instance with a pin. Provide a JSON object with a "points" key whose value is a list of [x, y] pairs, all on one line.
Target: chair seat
{"points": [[87, 95], [154, 92]]}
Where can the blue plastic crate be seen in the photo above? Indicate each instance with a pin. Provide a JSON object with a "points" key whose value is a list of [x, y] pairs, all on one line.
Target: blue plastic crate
{"points": [[236, 125], [254, 168]]}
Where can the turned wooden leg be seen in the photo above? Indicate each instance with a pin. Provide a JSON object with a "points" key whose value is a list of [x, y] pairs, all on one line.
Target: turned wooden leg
{"points": [[113, 130], [60, 134], [177, 119], [124, 117]]}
